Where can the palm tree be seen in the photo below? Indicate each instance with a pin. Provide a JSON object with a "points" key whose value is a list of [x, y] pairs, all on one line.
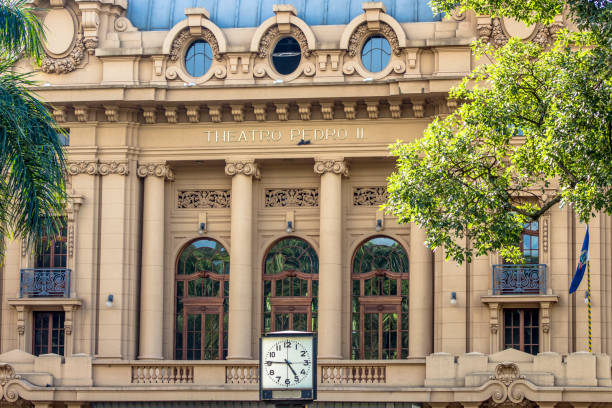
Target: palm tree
{"points": [[32, 177]]}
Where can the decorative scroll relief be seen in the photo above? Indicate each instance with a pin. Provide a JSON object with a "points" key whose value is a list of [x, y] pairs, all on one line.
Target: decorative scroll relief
{"points": [[8, 377], [370, 196], [113, 167], [335, 166], [83, 167], [292, 197], [507, 387], [494, 31], [155, 169], [273, 33], [360, 34], [103, 168], [246, 167], [204, 199], [185, 37]]}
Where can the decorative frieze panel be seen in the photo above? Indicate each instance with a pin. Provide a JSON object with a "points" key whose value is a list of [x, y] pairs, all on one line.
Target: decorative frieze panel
{"points": [[188, 199], [370, 196], [292, 197]]}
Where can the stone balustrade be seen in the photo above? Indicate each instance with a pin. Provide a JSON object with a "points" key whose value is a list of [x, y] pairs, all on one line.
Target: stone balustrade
{"points": [[354, 374], [242, 374], [162, 374]]}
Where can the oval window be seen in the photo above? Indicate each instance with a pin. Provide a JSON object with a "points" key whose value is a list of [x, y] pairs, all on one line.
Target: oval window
{"points": [[376, 53], [286, 55], [198, 58]]}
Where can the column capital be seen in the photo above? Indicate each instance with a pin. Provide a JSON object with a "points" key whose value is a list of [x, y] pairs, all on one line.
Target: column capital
{"points": [[331, 165], [248, 167], [155, 169]]}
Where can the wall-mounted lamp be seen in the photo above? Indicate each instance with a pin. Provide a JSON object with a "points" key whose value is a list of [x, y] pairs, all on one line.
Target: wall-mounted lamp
{"points": [[202, 221], [586, 297], [290, 222], [380, 221], [453, 299], [109, 300]]}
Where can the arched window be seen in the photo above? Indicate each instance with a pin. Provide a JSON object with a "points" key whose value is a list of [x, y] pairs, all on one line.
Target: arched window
{"points": [[376, 53], [291, 273], [198, 58], [379, 327], [286, 55], [202, 290]]}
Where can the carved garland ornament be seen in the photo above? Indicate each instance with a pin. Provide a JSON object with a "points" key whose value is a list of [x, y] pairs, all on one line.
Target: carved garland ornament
{"points": [[331, 166], [67, 64], [204, 199], [185, 37], [370, 196], [292, 197], [360, 34], [273, 33]]}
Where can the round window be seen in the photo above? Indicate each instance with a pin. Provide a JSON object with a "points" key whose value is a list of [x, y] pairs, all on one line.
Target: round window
{"points": [[198, 58], [286, 55], [376, 53]]}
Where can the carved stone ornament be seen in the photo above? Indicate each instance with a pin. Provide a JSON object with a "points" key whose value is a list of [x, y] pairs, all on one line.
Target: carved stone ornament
{"points": [[494, 33], [155, 169], [185, 37], [292, 197], [359, 36], [335, 166], [273, 33], [113, 167], [246, 167], [67, 64], [370, 196], [8, 377], [204, 199], [83, 167], [507, 373]]}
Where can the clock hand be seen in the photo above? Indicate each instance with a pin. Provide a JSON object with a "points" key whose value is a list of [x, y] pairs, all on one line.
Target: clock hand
{"points": [[291, 368]]}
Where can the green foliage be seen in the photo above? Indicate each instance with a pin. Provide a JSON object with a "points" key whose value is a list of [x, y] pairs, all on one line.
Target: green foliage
{"points": [[32, 188], [534, 129]]}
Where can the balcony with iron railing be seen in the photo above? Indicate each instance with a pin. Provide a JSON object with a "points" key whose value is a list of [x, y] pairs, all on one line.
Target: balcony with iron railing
{"points": [[45, 283], [527, 279]]}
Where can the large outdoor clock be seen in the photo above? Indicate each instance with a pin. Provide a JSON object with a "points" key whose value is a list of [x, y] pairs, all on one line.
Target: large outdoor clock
{"points": [[288, 366]]}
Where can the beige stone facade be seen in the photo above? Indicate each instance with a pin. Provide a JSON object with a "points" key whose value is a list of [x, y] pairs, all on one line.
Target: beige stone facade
{"points": [[246, 156]]}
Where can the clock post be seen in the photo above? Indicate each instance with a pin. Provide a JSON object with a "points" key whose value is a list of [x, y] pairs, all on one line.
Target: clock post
{"points": [[288, 368]]}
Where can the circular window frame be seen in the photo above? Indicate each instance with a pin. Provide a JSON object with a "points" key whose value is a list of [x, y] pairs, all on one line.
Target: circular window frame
{"points": [[184, 52], [360, 55], [297, 71]]}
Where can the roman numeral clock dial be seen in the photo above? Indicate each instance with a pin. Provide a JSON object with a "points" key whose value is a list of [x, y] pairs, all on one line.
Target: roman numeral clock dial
{"points": [[288, 366]]}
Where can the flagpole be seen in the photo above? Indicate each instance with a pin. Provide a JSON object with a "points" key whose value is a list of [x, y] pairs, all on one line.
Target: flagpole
{"points": [[589, 300]]}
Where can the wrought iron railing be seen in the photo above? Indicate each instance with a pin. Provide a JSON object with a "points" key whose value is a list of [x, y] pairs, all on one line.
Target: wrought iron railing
{"points": [[519, 279], [45, 282]]}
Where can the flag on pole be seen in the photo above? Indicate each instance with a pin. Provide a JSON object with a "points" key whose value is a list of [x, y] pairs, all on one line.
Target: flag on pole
{"points": [[582, 263]]}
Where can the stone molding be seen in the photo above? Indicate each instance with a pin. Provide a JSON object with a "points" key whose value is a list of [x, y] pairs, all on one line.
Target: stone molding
{"points": [[247, 167], [155, 169], [336, 166]]}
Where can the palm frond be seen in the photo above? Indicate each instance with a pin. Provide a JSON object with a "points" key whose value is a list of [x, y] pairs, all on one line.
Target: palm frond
{"points": [[20, 30], [32, 177]]}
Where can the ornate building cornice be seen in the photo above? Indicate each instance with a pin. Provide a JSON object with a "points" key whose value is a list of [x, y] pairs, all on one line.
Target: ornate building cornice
{"points": [[155, 169], [336, 166], [246, 167]]}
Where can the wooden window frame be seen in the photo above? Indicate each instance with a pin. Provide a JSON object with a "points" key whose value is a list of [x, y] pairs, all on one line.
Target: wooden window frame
{"points": [[50, 242], [50, 329], [522, 328]]}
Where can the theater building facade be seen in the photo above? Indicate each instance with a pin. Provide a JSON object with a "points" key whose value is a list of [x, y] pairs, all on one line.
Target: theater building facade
{"points": [[227, 162]]}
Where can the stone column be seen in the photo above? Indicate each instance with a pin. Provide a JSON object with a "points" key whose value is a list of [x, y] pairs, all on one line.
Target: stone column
{"points": [[330, 256], [152, 275], [240, 330], [420, 312]]}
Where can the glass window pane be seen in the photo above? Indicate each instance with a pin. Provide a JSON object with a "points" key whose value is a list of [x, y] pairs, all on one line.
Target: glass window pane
{"points": [[286, 56], [198, 58], [376, 53]]}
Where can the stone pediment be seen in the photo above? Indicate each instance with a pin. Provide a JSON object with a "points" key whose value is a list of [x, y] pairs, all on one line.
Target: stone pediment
{"points": [[511, 355]]}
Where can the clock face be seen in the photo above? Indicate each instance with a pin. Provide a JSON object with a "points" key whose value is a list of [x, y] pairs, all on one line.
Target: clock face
{"points": [[287, 362]]}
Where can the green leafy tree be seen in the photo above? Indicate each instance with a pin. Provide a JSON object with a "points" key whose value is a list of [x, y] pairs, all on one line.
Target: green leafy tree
{"points": [[534, 129], [32, 187]]}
